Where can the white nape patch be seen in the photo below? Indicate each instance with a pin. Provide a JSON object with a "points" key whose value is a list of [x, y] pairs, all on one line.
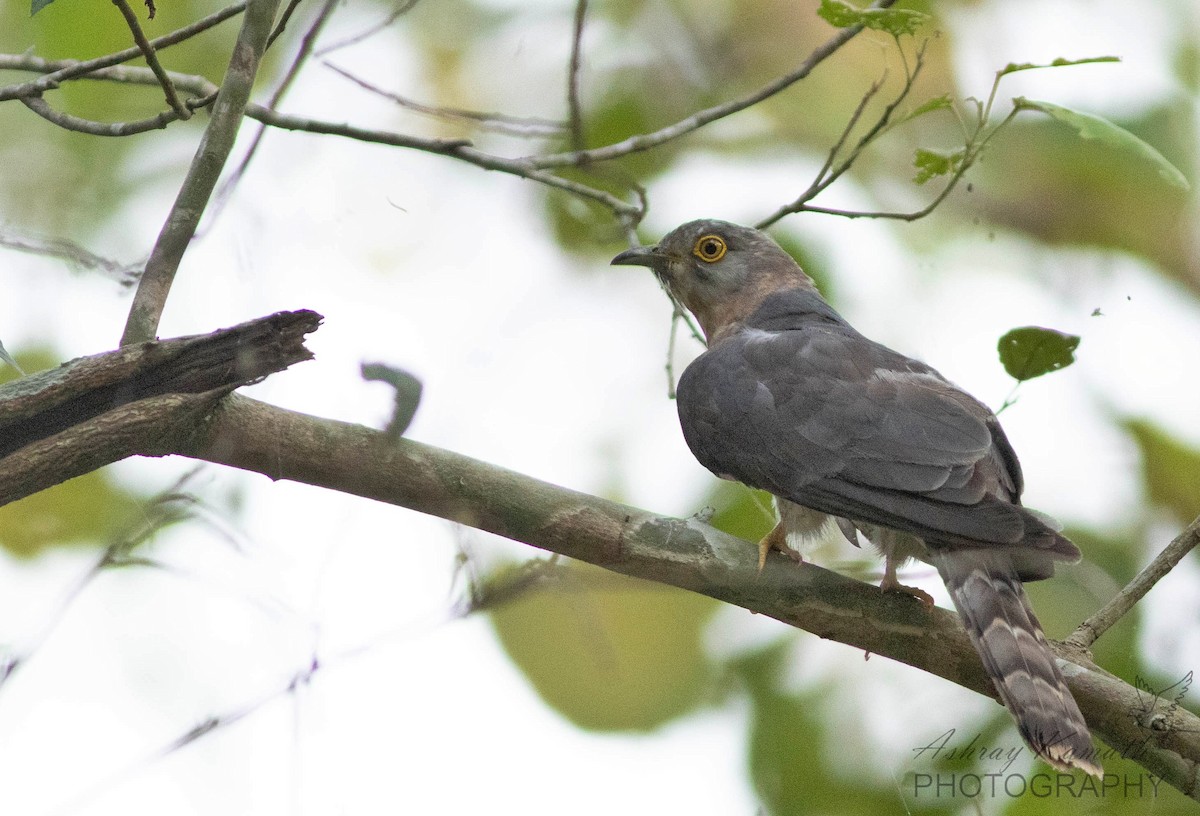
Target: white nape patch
{"points": [[900, 376], [758, 335]]}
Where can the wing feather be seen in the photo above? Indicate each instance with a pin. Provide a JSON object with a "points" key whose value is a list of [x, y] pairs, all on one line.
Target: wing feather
{"points": [[800, 404]]}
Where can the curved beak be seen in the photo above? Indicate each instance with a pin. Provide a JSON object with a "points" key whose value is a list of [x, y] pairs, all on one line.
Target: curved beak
{"points": [[638, 256]]}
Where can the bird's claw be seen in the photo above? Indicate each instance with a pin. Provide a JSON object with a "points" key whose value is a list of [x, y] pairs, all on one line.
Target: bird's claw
{"points": [[890, 584], [776, 540]]}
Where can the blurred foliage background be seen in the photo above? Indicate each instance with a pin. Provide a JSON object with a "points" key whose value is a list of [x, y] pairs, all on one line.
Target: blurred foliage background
{"points": [[612, 654]]}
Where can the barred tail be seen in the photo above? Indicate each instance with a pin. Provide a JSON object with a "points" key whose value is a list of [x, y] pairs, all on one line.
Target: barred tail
{"points": [[996, 613]]}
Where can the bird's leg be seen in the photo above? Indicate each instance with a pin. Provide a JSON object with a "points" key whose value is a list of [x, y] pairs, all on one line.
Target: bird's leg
{"points": [[891, 583], [777, 540]]}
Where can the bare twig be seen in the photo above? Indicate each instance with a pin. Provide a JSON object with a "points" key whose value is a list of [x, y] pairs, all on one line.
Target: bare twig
{"points": [[498, 122], [72, 253], [670, 366], [455, 148], [971, 153], [70, 122], [534, 168], [1099, 623], [284, 19], [399, 11], [151, 296], [574, 109], [118, 73], [829, 173], [646, 141], [306, 45], [143, 44], [168, 507], [851, 123], [202, 729], [127, 74], [69, 69]]}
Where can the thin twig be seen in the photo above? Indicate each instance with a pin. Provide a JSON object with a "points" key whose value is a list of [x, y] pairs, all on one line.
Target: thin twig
{"points": [[646, 141], [93, 128], [460, 149], [151, 57], [574, 109], [72, 253], [306, 46], [399, 11], [151, 296], [161, 511], [127, 74], [284, 19], [496, 122], [1099, 623], [670, 366], [69, 69], [456, 148], [851, 123], [828, 173], [971, 152]]}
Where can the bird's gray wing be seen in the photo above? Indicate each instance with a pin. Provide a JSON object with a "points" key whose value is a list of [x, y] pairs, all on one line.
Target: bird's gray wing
{"points": [[828, 419]]}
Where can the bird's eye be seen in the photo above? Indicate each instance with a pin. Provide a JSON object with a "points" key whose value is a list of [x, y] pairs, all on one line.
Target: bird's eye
{"points": [[710, 248]]}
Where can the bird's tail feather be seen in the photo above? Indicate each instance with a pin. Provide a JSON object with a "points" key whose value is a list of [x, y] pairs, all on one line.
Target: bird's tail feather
{"points": [[996, 613]]}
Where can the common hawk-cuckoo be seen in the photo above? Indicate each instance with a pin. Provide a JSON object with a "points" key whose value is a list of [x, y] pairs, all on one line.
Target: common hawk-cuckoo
{"points": [[791, 399]]}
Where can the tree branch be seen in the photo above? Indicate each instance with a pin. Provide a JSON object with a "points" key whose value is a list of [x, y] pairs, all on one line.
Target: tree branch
{"points": [[91, 127], [151, 296], [302, 54], [151, 58], [646, 141], [828, 173], [399, 11], [281, 444], [156, 419], [1143, 582], [522, 126], [460, 149], [73, 253], [574, 108], [181, 225], [62, 423], [70, 69]]}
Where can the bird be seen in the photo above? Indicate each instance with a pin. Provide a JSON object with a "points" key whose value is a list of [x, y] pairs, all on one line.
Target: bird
{"points": [[845, 432]]}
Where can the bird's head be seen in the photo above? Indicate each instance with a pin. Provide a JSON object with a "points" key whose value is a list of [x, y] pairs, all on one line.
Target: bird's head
{"points": [[719, 271]]}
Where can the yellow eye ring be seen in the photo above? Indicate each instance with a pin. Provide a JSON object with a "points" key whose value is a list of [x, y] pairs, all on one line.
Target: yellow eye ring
{"points": [[710, 248]]}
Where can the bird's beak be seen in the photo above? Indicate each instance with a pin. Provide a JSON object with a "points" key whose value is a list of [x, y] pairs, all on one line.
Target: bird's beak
{"points": [[638, 256]]}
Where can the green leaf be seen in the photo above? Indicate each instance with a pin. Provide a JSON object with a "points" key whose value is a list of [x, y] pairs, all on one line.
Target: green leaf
{"points": [[1090, 126], [1014, 67], [38, 5], [931, 163], [741, 511], [81, 512], [942, 102], [1032, 351], [610, 652], [1170, 469], [894, 21], [797, 739]]}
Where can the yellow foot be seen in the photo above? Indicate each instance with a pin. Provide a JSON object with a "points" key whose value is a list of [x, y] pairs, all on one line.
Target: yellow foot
{"points": [[776, 540], [890, 584]]}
